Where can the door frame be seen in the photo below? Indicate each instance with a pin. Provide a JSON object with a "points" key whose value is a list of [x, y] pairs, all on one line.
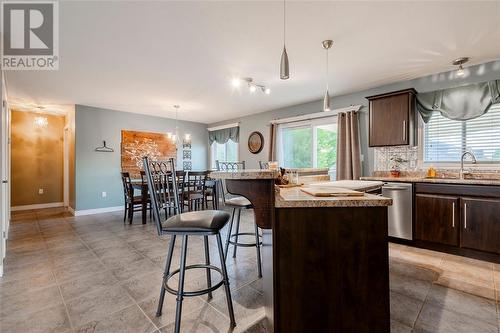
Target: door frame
{"points": [[66, 141]]}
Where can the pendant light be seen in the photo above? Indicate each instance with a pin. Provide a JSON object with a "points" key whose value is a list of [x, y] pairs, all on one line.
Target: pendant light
{"points": [[175, 136], [459, 62], [327, 44], [284, 66]]}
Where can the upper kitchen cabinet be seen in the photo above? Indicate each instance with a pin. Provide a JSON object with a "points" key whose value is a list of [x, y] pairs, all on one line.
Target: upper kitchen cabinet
{"points": [[391, 118]]}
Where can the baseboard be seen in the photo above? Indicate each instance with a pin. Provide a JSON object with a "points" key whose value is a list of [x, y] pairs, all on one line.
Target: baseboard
{"points": [[37, 206], [71, 210], [98, 210]]}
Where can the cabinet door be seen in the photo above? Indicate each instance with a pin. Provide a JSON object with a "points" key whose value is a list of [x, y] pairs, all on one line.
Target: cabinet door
{"points": [[436, 218], [389, 121], [480, 228]]}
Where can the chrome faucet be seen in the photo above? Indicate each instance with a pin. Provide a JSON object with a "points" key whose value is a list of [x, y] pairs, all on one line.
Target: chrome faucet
{"points": [[471, 154]]}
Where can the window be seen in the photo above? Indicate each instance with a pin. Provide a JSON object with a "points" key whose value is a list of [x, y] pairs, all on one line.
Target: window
{"points": [[308, 144], [226, 152], [445, 140]]}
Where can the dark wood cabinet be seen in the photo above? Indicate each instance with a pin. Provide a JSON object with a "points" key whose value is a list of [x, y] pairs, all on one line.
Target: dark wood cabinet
{"points": [[480, 228], [437, 218], [471, 228], [391, 118]]}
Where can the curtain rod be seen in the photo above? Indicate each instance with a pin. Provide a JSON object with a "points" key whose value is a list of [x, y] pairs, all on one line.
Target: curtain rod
{"points": [[317, 115], [216, 128]]}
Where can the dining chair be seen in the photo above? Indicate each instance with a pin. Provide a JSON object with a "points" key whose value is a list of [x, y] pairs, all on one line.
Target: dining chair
{"points": [[133, 203], [193, 196], [162, 184], [237, 204]]}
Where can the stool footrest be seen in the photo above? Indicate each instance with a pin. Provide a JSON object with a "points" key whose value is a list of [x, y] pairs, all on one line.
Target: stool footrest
{"points": [[196, 292], [243, 244]]}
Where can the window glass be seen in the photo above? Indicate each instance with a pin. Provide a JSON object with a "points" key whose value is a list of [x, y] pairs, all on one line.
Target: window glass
{"points": [[445, 139], [311, 144]]}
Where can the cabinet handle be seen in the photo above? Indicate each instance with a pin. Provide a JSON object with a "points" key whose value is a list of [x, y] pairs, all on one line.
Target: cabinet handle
{"points": [[453, 215], [465, 215], [404, 130]]}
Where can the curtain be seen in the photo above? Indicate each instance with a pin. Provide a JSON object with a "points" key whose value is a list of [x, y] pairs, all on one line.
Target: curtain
{"points": [[272, 142], [223, 135], [459, 103], [348, 148]]}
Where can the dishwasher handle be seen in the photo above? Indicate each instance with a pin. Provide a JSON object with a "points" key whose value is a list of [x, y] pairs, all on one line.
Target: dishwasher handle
{"points": [[394, 188]]}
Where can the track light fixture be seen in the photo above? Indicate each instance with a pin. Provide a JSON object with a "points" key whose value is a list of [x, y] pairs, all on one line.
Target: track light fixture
{"points": [[252, 86]]}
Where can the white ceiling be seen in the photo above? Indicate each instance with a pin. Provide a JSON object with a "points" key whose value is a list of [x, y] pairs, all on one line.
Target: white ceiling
{"points": [[145, 56]]}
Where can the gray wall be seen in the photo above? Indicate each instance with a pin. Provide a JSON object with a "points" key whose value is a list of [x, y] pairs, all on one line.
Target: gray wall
{"points": [[100, 172], [260, 121]]}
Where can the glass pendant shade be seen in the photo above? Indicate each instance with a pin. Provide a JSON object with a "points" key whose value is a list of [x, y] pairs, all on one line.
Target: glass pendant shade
{"points": [[326, 101], [284, 66]]}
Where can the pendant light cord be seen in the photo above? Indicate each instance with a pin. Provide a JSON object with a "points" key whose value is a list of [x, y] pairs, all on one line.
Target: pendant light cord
{"points": [[327, 69], [284, 23]]}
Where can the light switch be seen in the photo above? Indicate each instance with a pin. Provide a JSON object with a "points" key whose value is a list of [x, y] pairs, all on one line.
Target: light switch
{"points": [[40, 191]]}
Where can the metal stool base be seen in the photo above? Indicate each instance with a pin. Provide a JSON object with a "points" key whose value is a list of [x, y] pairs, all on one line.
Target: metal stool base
{"points": [[197, 292]]}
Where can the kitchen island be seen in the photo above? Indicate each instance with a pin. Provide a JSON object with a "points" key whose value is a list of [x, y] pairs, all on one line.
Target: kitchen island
{"points": [[325, 260]]}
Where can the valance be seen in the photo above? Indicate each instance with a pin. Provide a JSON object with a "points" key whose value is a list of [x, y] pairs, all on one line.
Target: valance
{"points": [[459, 103], [221, 136]]}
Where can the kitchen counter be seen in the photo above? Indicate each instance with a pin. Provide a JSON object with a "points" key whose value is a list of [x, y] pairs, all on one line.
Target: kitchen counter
{"points": [[436, 180], [294, 197], [315, 250]]}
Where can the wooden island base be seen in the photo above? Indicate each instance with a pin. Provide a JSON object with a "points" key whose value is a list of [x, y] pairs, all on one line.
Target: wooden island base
{"points": [[331, 270]]}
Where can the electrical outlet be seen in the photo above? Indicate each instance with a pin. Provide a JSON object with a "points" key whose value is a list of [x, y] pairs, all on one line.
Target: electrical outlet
{"points": [[104, 194], [40, 191]]}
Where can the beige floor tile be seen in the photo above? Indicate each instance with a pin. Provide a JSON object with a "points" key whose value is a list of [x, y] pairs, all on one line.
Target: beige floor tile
{"points": [[97, 305], [150, 306], [404, 309], [202, 320], [397, 327], [473, 306], [19, 305], [51, 319], [86, 284], [143, 286], [409, 286], [129, 320], [474, 287], [38, 280], [434, 319]]}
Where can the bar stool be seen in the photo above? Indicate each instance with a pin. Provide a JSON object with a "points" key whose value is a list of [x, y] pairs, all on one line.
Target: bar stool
{"points": [[237, 204], [162, 185]]}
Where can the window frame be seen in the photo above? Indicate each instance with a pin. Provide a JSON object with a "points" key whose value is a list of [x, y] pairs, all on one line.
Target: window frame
{"points": [[213, 153], [421, 163], [312, 124]]}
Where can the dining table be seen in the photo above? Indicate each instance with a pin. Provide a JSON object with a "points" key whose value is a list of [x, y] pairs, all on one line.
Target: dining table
{"points": [[142, 187]]}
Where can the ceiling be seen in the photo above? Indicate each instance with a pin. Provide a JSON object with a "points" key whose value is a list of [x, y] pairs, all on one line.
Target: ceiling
{"points": [[144, 57]]}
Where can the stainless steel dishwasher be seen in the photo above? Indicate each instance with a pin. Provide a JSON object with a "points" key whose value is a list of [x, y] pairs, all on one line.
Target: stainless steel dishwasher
{"points": [[400, 213]]}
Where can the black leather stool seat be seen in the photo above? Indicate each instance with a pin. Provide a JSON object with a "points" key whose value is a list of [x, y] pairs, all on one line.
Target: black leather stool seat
{"points": [[199, 221], [238, 202]]}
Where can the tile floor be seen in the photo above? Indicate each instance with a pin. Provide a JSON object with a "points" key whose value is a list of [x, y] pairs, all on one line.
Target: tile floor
{"points": [[96, 274]]}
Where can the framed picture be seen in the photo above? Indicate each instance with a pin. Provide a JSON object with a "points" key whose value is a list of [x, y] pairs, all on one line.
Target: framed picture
{"points": [[186, 154], [255, 142], [186, 165]]}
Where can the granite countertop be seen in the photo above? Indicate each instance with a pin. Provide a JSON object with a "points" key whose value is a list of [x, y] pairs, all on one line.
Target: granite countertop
{"points": [[435, 180], [295, 198], [245, 174]]}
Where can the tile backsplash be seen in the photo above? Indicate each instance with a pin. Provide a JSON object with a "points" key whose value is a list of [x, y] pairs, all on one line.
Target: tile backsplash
{"points": [[383, 156]]}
